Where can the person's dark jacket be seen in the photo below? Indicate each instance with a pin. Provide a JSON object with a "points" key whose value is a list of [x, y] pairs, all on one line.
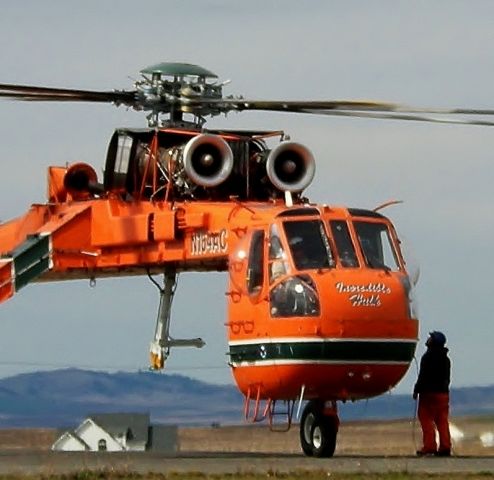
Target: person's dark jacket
{"points": [[435, 371]]}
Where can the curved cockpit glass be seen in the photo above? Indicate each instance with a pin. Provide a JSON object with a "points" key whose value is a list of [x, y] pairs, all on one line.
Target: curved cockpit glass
{"points": [[306, 246], [278, 260], [295, 297], [255, 272], [377, 246], [309, 244]]}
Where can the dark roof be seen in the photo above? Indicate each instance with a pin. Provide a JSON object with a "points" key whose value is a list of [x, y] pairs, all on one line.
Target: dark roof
{"points": [[361, 212], [299, 212], [135, 424]]}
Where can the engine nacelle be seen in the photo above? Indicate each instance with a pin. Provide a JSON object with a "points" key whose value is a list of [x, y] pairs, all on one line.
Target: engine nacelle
{"points": [[80, 180], [290, 167], [208, 160]]}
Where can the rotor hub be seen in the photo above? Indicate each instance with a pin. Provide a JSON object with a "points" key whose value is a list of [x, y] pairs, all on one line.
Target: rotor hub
{"points": [[175, 89]]}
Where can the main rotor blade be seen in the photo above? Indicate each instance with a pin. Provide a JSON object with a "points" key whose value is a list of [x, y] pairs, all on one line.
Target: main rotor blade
{"points": [[362, 109], [55, 98], [32, 93], [343, 105], [397, 116], [348, 108]]}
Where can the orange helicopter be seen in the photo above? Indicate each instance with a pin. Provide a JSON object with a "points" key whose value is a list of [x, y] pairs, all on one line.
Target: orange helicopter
{"points": [[320, 302]]}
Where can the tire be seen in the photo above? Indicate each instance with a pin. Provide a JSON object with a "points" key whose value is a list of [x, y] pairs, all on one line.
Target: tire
{"points": [[306, 422], [318, 432], [324, 437]]}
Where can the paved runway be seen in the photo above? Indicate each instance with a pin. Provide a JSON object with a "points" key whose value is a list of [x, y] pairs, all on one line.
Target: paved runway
{"points": [[37, 463]]}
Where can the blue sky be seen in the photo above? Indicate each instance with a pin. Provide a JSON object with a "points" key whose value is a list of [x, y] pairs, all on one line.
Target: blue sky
{"points": [[423, 53]]}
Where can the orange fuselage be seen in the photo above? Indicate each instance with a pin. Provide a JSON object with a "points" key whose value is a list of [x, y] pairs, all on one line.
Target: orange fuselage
{"points": [[357, 343]]}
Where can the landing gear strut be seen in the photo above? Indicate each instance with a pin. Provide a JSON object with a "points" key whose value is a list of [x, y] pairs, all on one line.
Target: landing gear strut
{"points": [[318, 428], [160, 347]]}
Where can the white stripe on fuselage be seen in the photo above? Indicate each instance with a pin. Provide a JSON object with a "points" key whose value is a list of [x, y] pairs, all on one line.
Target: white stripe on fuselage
{"points": [[262, 341]]}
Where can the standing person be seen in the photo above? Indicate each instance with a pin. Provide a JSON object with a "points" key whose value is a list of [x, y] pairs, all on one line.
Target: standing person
{"points": [[432, 390]]}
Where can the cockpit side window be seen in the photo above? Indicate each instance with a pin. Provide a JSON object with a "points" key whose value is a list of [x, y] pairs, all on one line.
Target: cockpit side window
{"points": [[255, 273], [309, 244], [377, 246], [344, 244], [278, 263]]}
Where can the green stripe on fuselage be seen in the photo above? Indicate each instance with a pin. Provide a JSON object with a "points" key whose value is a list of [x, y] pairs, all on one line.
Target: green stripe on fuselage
{"points": [[326, 351]]}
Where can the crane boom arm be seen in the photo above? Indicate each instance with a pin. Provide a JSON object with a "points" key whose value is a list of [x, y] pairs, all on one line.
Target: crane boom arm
{"points": [[109, 237]]}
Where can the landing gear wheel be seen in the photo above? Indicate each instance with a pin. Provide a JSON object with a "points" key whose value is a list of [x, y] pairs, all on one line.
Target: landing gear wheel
{"points": [[318, 431]]}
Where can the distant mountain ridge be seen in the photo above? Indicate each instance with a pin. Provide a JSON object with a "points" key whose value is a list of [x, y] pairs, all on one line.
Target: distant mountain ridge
{"points": [[64, 397]]}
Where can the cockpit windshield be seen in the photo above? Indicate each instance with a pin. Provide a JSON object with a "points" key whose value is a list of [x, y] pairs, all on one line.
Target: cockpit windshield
{"points": [[377, 246], [309, 244], [344, 244]]}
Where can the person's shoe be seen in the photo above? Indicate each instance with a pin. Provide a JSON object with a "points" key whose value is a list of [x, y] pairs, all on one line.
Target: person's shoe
{"points": [[426, 453], [443, 453]]}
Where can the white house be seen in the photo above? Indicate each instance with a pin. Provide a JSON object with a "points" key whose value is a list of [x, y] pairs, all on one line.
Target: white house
{"points": [[117, 432]]}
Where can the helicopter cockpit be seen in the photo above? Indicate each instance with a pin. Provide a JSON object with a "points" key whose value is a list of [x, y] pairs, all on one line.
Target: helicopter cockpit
{"points": [[300, 248]]}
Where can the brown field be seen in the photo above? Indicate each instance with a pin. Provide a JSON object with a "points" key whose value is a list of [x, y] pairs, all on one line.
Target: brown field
{"points": [[27, 438], [377, 450], [388, 438]]}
